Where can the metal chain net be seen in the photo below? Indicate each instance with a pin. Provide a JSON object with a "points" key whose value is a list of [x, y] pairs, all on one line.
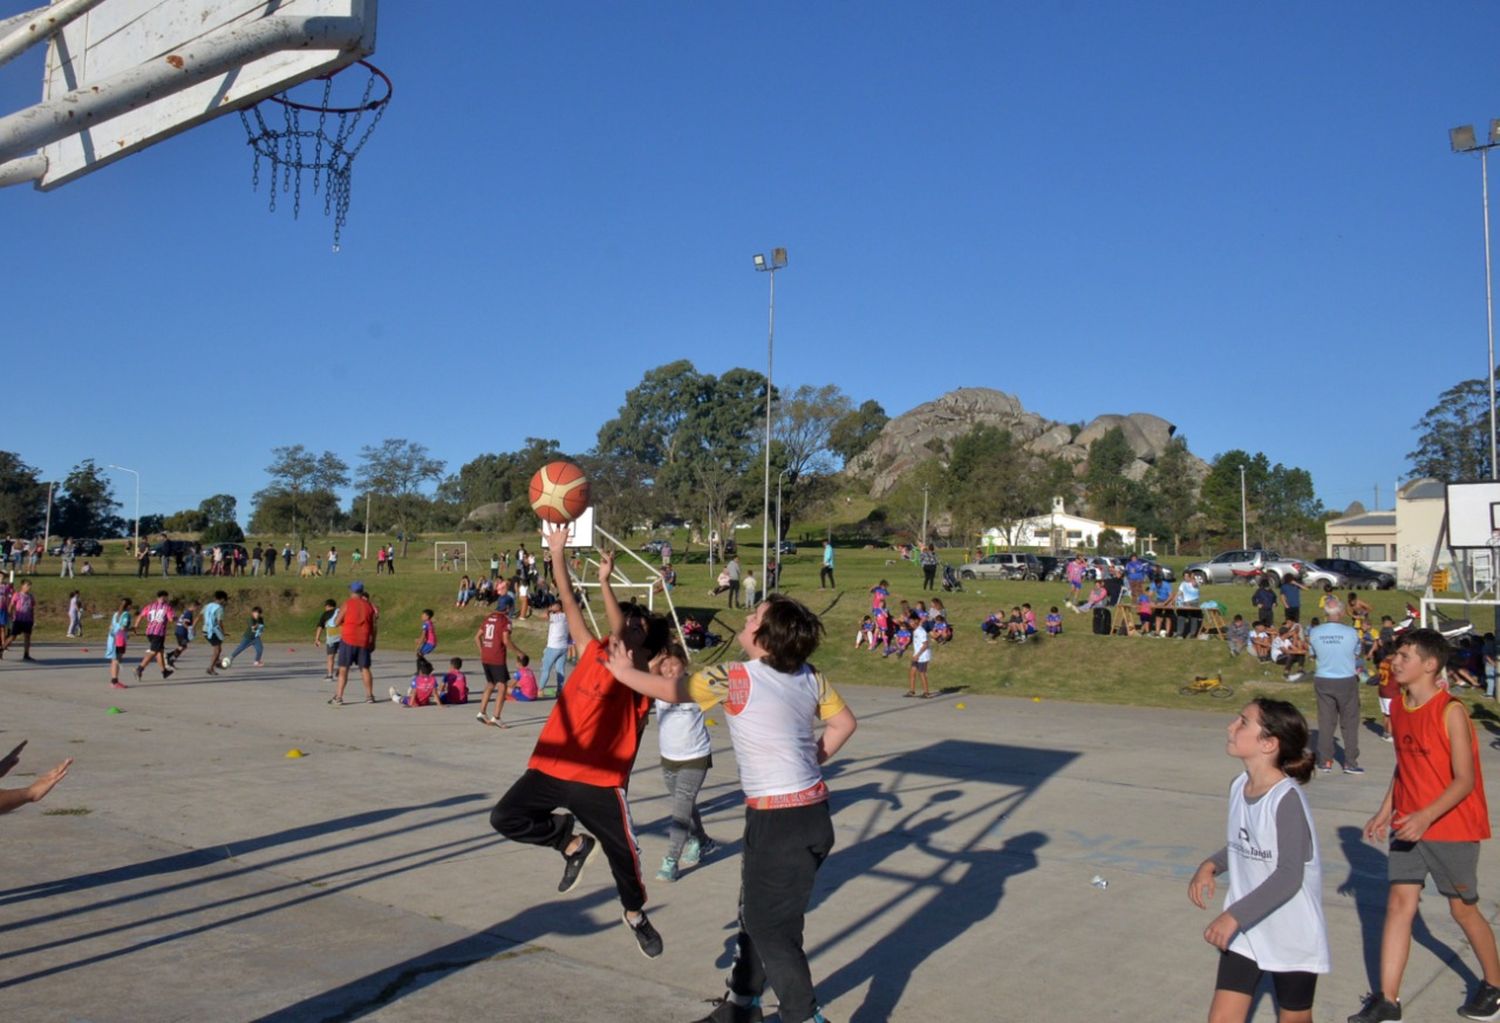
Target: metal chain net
{"points": [[332, 159]]}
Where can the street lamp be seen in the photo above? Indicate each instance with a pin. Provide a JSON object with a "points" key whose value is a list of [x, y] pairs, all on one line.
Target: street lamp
{"points": [[137, 548], [1462, 140], [777, 261], [1244, 522]]}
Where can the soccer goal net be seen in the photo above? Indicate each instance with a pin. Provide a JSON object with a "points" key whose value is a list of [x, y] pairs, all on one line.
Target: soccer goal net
{"points": [[446, 554]]}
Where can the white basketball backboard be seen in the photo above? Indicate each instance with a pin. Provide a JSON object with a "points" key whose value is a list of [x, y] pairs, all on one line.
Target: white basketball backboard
{"points": [[1473, 514], [129, 73]]}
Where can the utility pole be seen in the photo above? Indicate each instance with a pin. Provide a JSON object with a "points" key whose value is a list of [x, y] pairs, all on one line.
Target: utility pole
{"points": [[925, 488]]}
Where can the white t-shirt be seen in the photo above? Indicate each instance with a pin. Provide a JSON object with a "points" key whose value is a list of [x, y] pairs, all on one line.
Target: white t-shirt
{"points": [[557, 630], [1294, 935], [771, 716], [919, 641], [681, 733]]}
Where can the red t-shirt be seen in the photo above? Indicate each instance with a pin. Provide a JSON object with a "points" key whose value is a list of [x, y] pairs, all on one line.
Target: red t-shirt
{"points": [[1424, 768], [358, 622], [493, 635], [595, 729]]}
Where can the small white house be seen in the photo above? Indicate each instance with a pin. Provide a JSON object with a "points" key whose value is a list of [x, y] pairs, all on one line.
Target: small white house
{"points": [[1057, 529]]}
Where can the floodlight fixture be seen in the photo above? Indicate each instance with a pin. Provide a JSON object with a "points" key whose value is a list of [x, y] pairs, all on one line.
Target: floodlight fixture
{"points": [[778, 258], [760, 262], [1462, 140]]}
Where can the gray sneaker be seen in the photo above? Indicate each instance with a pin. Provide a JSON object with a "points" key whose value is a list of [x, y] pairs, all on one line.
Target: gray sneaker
{"points": [[573, 865], [645, 935]]}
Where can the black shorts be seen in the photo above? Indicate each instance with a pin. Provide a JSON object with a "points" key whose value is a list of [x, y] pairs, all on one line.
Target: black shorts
{"points": [[19, 628], [496, 674], [1265, 615], [156, 644], [1294, 989], [182, 637], [213, 638], [1292, 614], [353, 656]]}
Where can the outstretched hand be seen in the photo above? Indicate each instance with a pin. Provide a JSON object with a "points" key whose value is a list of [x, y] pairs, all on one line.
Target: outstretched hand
{"points": [[557, 541], [606, 565], [43, 785]]}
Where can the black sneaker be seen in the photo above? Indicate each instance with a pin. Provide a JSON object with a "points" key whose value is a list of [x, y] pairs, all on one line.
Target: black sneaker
{"points": [[1483, 1004], [726, 1011], [1377, 1009], [573, 865], [645, 935]]}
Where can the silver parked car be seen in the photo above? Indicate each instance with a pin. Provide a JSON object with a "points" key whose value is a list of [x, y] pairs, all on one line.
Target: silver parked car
{"points": [[1003, 566], [1248, 566]]}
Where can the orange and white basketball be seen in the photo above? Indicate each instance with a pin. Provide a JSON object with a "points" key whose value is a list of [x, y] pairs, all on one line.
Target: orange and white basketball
{"points": [[559, 492]]}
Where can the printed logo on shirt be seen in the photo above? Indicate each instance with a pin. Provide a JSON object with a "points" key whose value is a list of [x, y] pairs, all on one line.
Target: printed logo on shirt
{"points": [[1245, 846], [739, 689]]}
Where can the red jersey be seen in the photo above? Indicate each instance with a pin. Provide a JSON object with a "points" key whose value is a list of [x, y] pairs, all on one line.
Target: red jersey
{"points": [[1424, 768], [494, 634], [595, 729], [358, 622]]}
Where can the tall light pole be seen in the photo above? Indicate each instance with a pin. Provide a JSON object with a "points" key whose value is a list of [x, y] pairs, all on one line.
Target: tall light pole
{"points": [[1244, 519], [137, 548], [778, 260], [47, 529], [366, 554], [779, 477], [1462, 140], [925, 488]]}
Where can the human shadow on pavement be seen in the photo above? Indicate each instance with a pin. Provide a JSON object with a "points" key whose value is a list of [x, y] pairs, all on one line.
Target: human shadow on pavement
{"points": [[508, 939], [194, 859], [958, 884], [1367, 884]]}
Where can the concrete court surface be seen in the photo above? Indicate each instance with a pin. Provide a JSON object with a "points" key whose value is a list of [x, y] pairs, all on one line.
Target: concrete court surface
{"points": [[214, 879]]}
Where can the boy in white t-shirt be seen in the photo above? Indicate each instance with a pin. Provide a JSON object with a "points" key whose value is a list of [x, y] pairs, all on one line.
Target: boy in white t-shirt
{"points": [[772, 701]]}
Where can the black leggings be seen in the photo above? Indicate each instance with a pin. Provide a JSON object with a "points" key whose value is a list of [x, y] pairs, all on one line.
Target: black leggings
{"points": [[525, 814], [1294, 989], [929, 575]]}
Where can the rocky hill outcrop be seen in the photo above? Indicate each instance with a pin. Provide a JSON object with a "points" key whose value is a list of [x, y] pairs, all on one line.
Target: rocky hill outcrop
{"points": [[914, 436]]}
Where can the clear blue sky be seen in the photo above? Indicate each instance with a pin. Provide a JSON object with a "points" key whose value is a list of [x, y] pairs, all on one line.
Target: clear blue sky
{"points": [[1244, 219]]}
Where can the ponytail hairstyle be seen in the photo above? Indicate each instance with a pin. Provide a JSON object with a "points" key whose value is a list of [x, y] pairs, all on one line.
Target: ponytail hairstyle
{"points": [[1283, 722]]}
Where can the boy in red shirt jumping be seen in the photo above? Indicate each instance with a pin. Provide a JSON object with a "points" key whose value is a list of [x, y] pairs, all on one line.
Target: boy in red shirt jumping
{"points": [[586, 750], [1435, 816]]}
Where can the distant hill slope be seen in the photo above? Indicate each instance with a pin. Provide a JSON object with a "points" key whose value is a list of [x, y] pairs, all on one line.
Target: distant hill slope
{"points": [[904, 442]]}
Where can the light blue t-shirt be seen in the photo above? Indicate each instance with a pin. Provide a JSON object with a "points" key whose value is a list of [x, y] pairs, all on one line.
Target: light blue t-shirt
{"points": [[213, 619], [828, 555], [1336, 646]]}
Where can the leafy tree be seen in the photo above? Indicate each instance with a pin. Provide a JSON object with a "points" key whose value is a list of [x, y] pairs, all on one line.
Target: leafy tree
{"points": [[904, 503], [189, 520], [23, 498], [654, 426], [1454, 443], [1219, 496], [87, 505], [991, 481], [395, 471], [221, 524], [1111, 494], [151, 524], [857, 429], [498, 478], [1171, 488], [279, 511]]}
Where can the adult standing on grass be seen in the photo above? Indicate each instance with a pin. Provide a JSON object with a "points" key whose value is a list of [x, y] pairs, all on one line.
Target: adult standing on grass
{"points": [[1336, 686], [286, 557], [732, 570], [142, 561], [1291, 599], [825, 574], [333, 561], [359, 621], [69, 552], [928, 560]]}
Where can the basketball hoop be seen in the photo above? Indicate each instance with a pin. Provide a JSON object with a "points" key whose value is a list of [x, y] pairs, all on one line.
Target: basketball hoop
{"points": [[332, 153], [1495, 539]]}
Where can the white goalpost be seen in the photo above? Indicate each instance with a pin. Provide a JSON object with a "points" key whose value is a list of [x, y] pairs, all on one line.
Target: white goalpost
{"points": [[461, 551]]}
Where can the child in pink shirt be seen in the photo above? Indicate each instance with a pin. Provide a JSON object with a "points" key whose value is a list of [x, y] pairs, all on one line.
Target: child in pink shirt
{"points": [[455, 686], [525, 689], [423, 688]]}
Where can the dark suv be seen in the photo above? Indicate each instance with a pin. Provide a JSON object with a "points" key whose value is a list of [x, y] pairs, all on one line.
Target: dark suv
{"points": [[1360, 575], [82, 548]]}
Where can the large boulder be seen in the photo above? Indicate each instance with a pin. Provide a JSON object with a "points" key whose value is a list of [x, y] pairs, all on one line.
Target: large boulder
{"points": [[928, 429]]}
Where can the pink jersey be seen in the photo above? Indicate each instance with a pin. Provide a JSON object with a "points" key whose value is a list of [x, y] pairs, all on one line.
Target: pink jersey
{"points": [[526, 683], [458, 687], [429, 634], [156, 615], [422, 688]]}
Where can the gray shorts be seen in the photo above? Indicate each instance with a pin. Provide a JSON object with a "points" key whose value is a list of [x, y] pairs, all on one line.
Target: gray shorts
{"points": [[1453, 866]]}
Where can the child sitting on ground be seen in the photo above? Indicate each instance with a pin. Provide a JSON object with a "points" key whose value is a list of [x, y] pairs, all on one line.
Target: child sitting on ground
{"points": [[454, 688], [1238, 636], [900, 640], [525, 690], [1098, 596], [422, 689], [1054, 622], [1028, 620], [939, 628], [1015, 626], [993, 626], [866, 633], [1260, 641]]}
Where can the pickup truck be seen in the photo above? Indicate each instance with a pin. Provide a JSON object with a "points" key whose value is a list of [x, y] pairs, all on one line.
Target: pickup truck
{"points": [[1250, 565]]}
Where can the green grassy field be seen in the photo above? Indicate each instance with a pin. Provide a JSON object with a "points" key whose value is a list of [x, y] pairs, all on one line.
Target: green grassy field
{"points": [[1076, 666]]}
